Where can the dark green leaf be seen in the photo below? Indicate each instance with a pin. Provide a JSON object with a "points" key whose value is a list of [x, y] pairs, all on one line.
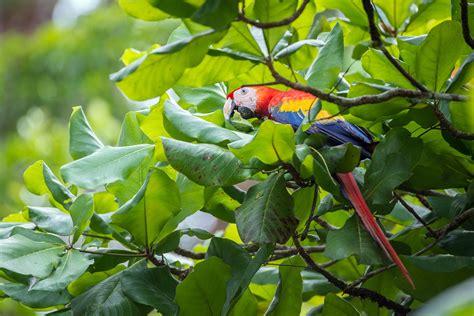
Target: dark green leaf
{"points": [[82, 139], [34, 298], [105, 166], [266, 216], [216, 13], [335, 305], [81, 212], [204, 164]]}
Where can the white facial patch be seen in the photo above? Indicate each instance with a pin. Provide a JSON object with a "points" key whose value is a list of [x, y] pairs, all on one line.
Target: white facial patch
{"points": [[246, 97]]}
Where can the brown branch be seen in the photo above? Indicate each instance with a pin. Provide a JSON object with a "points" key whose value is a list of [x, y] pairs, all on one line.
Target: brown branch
{"points": [[446, 125], [424, 201], [343, 286], [377, 43], [180, 273], [304, 234], [280, 254], [190, 254], [422, 192], [465, 24], [438, 235], [413, 212], [324, 224], [365, 99], [268, 25]]}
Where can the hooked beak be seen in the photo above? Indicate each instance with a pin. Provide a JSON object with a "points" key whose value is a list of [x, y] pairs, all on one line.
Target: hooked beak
{"points": [[229, 108]]}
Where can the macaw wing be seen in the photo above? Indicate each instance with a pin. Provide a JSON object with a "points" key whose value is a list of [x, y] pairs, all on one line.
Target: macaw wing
{"points": [[291, 107]]}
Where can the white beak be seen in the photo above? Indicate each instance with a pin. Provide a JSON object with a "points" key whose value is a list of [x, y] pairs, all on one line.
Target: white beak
{"points": [[229, 108]]}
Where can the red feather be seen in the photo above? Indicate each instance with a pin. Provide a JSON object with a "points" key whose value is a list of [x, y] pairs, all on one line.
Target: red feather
{"points": [[355, 196]]}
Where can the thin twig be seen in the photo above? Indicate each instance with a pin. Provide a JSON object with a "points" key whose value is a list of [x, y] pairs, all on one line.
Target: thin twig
{"points": [[116, 254], [412, 212], [377, 43], [268, 25], [280, 254], [438, 235], [96, 236], [365, 99], [465, 24], [324, 224], [180, 273], [424, 201], [311, 214], [446, 125], [343, 286], [190, 254]]}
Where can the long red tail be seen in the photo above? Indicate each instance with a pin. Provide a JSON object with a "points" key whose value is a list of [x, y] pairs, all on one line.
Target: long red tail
{"points": [[355, 196]]}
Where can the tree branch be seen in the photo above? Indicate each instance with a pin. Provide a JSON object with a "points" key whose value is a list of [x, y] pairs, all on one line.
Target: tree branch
{"points": [[180, 273], [343, 286], [311, 214], [437, 234], [412, 212], [377, 43], [446, 125], [269, 25], [190, 254], [465, 24]]}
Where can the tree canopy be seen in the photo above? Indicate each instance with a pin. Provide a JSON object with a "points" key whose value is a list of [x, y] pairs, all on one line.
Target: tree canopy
{"points": [[108, 240]]}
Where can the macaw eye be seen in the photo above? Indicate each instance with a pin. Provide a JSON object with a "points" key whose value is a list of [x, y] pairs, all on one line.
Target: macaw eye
{"points": [[244, 90]]}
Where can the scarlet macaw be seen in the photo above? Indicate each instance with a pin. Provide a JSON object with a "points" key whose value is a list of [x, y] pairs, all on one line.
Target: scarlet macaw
{"points": [[290, 107]]}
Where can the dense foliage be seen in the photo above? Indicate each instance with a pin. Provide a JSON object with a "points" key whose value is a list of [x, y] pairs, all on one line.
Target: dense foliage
{"points": [[108, 241]]}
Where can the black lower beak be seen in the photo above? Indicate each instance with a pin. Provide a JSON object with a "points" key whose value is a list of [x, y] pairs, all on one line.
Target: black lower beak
{"points": [[245, 113]]}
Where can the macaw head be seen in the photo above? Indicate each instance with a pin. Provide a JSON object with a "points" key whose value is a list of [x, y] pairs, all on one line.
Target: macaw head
{"points": [[249, 102]]}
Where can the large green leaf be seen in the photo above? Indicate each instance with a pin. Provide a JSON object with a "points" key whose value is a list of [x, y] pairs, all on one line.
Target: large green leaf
{"points": [[273, 10], [396, 11], [435, 60], [216, 13], [22, 255], [335, 305], [392, 164], [151, 75], [7, 227], [204, 164], [288, 297], [22, 293], [243, 267], [378, 66], [72, 265], [156, 210], [274, 143], [352, 9], [428, 15], [142, 9], [195, 128], [266, 215], [323, 72], [39, 180], [204, 99], [196, 295], [353, 239], [107, 298], [105, 166], [81, 212], [51, 219], [82, 139], [153, 287]]}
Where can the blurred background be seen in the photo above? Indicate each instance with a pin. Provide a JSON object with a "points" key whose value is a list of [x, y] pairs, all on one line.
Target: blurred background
{"points": [[55, 54]]}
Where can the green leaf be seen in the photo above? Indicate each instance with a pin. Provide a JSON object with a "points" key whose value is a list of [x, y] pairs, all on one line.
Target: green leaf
{"points": [[335, 305], [379, 67], [435, 60], [266, 216], [88, 279], [396, 11], [273, 10], [428, 15], [342, 158], [82, 139], [51, 219], [216, 13], [220, 204], [288, 296], [178, 8], [155, 211], [205, 99], [458, 243], [171, 242], [72, 265], [107, 298], [352, 9], [105, 166], [34, 298], [290, 49], [195, 128], [204, 164], [131, 133], [197, 296], [274, 143], [328, 62], [7, 227], [151, 75], [81, 212], [153, 287], [392, 164], [142, 9], [25, 256], [353, 239], [39, 180], [243, 267]]}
